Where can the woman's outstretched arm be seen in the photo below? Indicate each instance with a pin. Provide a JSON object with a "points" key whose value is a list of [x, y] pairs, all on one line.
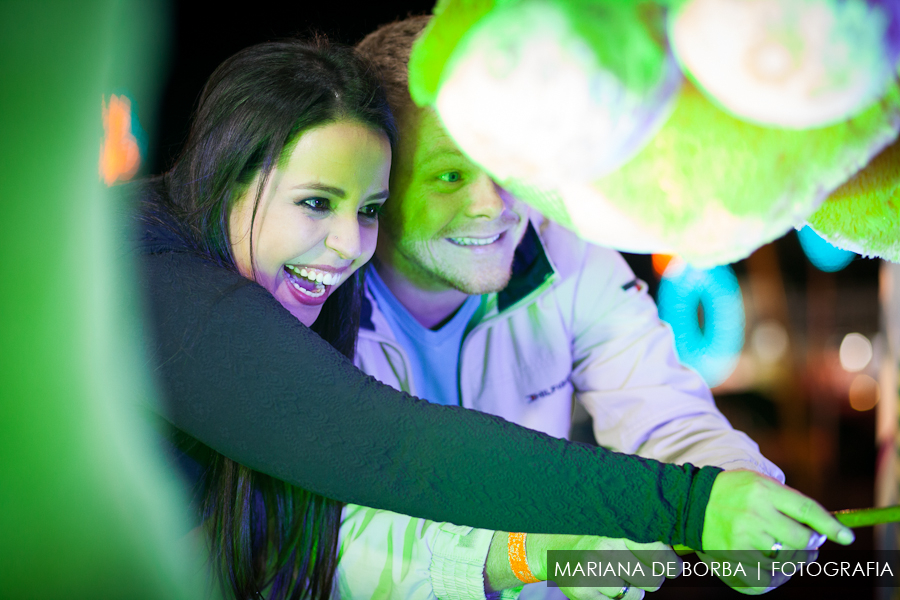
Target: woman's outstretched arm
{"points": [[244, 377], [241, 375]]}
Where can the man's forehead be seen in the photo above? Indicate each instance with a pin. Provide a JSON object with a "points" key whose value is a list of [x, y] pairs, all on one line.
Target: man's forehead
{"points": [[433, 141]]}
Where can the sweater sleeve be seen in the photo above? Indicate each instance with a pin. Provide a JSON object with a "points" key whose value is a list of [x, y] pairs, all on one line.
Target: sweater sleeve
{"points": [[237, 372]]}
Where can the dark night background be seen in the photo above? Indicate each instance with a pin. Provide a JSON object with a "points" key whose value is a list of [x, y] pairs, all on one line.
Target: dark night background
{"points": [[201, 38]]}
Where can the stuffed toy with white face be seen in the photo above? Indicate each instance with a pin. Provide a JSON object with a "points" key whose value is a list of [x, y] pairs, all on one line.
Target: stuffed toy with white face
{"points": [[702, 128]]}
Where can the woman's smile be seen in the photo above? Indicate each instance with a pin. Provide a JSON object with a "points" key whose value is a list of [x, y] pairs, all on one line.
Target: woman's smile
{"points": [[313, 284]]}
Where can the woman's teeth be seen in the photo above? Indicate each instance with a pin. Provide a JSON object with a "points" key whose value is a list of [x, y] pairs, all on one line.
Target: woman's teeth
{"points": [[314, 275], [316, 293], [465, 241], [319, 279]]}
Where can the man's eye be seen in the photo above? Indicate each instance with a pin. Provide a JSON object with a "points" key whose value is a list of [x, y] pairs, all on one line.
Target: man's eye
{"points": [[450, 176], [316, 204]]}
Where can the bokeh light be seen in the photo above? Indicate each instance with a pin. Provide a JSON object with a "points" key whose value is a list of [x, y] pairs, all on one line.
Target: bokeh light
{"points": [[864, 393], [821, 254], [706, 312], [660, 262], [769, 341], [856, 352], [120, 155]]}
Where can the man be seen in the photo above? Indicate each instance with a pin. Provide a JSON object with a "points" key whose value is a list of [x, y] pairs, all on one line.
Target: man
{"points": [[473, 300]]}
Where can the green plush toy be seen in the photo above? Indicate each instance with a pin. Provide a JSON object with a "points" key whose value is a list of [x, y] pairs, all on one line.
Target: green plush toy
{"points": [[579, 107], [863, 215], [712, 188]]}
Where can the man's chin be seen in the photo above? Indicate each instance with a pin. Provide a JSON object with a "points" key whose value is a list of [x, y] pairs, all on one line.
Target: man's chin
{"points": [[485, 284]]}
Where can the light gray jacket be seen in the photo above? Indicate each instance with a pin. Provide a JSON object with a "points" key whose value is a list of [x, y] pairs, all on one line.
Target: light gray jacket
{"points": [[573, 328]]}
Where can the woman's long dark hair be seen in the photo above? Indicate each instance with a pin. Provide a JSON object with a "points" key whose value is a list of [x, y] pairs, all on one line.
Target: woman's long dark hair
{"points": [[265, 534]]}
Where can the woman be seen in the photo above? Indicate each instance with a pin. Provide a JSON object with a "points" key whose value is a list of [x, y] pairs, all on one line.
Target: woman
{"points": [[280, 184], [292, 204]]}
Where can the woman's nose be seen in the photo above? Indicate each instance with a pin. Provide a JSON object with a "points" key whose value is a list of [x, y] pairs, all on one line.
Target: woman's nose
{"points": [[343, 238]]}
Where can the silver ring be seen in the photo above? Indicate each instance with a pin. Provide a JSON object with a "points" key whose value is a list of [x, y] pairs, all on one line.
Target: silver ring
{"points": [[621, 593], [773, 553]]}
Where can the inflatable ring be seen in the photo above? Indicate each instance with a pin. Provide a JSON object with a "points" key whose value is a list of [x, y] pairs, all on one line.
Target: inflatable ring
{"points": [[712, 347]]}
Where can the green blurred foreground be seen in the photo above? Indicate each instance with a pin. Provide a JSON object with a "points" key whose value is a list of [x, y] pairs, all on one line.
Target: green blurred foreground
{"points": [[85, 511]]}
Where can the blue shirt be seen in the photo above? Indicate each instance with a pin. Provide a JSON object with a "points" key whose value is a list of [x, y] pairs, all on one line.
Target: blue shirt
{"points": [[433, 355]]}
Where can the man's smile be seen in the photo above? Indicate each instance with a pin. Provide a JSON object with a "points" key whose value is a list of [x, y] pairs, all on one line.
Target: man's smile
{"points": [[475, 241]]}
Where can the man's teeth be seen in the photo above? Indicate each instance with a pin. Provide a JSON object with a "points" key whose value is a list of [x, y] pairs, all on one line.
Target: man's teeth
{"points": [[314, 275], [465, 241]]}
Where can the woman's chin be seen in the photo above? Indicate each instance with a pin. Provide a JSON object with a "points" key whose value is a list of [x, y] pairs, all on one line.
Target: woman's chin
{"points": [[305, 309], [305, 314]]}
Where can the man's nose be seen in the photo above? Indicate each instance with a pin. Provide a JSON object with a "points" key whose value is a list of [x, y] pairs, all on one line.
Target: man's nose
{"points": [[487, 200], [343, 237]]}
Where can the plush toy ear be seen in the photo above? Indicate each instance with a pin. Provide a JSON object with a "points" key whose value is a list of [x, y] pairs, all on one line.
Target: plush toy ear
{"points": [[788, 63], [452, 20], [863, 215], [547, 91], [626, 36]]}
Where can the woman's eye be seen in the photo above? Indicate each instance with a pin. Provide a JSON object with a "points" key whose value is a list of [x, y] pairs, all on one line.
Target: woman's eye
{"points": [[316, 204], [371, 211], [450, 176]]}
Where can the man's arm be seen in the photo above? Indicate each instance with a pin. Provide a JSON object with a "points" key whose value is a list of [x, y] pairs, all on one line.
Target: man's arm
{"points": [[627, 375], [390, 555], [387, 554]]}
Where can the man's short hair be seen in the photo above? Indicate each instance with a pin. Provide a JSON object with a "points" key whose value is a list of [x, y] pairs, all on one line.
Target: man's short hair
{"points": [[388, 49]]}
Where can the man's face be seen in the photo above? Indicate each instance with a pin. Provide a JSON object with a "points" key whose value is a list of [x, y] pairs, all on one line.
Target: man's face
{"points": [[447, 224]]}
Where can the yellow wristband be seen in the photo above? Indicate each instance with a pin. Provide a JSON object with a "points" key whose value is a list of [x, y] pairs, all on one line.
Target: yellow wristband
{"points": [[517, 560]]}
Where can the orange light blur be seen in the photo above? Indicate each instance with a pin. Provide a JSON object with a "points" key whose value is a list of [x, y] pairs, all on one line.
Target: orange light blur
{"points": [[864, 393], [660, 262], [119, 155]]}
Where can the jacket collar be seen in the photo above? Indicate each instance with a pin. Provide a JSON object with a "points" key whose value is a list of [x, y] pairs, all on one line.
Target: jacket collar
{"points": [[530, 269]]}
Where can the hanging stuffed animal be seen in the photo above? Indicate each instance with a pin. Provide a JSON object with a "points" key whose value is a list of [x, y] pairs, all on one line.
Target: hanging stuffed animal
{"points": [[863, 215], [579, 107]]}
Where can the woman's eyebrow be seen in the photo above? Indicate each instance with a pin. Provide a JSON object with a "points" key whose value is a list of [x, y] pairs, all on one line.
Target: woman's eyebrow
{"points": [[382, 195], [322, 188]]}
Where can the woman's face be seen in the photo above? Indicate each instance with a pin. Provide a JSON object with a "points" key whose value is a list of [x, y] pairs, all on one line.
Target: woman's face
{"points": [[317, 220]]}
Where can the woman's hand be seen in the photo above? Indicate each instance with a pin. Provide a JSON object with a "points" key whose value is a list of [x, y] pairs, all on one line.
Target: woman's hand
{"points": [[753, 519], [751, 512]]}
